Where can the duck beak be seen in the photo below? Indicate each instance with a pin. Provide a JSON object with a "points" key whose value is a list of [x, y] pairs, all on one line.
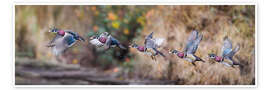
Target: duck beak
{"points": [[170, 51], [91, 38]]}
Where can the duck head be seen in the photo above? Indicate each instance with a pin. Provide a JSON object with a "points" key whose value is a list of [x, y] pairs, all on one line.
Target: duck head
{"points": [[139, 48], [56, 30], [215, 57], [179, 54]]}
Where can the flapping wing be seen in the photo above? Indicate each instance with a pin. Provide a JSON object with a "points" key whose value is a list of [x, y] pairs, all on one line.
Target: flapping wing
{"points": [[149, 37], [193, 48], [75, 34], [149, 42], [108, 41], [193, 35], [227, 47], [158, 41], [69, 40], [96, 42], [232, 53]]}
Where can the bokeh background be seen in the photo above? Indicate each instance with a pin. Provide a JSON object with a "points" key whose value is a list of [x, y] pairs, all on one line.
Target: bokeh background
{"points": [[131, 24]]}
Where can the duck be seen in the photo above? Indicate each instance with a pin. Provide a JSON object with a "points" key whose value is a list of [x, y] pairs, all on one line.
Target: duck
{"points": [[63, 40], [227, 53], [150, 46], [190, 49], [105, 40]]}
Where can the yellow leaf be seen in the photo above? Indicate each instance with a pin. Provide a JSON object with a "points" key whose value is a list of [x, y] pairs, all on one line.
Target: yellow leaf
{"points": [[141, 20], [126, 31], [115, 24]]}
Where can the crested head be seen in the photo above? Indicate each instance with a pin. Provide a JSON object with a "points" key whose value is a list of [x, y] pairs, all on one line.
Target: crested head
{"points": [[212, 56], [54, 30], [215, 57], [173, 51], [133, 45], [61, 32]]}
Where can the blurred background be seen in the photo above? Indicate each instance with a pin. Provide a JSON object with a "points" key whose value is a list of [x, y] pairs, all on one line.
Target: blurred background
{"points": [[35, 63]]}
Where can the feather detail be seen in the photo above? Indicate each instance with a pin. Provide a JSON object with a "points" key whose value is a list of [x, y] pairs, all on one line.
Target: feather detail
{"points": [[159, 41], [96, 42], [191, 57]]}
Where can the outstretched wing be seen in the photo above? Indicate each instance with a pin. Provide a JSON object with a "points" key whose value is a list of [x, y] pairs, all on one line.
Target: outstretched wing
{"points": [[227, 47], [96, 42], [158, 41], [75, 34], [193, 48], [69, 40], [192, 37], [108, 41], [150, 36], [149, 42], [232, 53]]}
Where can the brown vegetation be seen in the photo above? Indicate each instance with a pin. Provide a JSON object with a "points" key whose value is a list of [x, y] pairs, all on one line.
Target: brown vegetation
{"points": [[171, 22]]}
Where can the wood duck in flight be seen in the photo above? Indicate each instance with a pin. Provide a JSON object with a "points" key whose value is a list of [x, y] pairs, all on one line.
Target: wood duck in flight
{"points": [[190, 49], [150, 47], [227, 54]]}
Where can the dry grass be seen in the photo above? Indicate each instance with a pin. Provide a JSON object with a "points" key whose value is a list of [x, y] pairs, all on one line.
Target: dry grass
{"points": [[175, 22]]}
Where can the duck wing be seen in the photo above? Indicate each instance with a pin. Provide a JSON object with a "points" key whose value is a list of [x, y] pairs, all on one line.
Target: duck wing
{"points": [[192, 37], [227, 47]]}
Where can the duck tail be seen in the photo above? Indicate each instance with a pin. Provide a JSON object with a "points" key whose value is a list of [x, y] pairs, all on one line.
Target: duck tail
{"points": [[158, 52], [193, 63], [199, 59]]}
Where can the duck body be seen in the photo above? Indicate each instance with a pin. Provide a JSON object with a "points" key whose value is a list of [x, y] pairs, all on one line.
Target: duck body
{"points": [[105, 40], [227, 53], [153, 44], [190, 49], [63, 40]]}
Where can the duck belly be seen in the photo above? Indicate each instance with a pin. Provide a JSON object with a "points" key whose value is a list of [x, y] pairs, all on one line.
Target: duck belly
{"points": [[191, 57]]}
